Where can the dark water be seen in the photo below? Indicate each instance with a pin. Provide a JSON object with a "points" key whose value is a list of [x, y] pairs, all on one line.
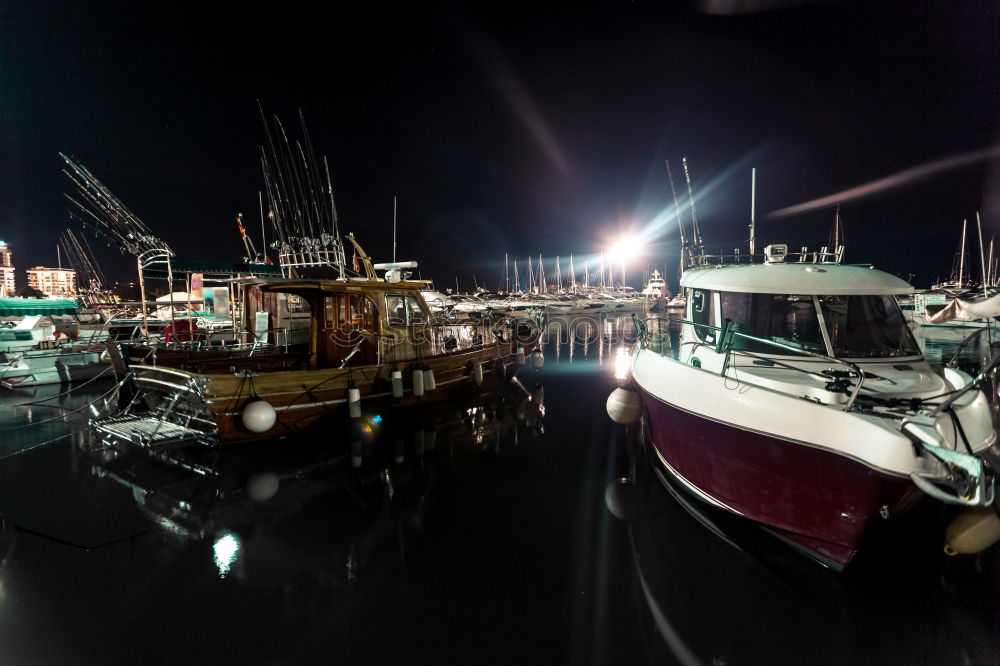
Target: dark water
{"points": [[476, 532]]}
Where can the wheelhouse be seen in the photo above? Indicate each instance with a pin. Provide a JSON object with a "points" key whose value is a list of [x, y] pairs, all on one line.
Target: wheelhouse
{"points": [[846, 312]]}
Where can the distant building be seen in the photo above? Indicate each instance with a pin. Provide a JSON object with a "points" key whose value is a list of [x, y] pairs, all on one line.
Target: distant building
{"points": [[7, 287], [52, 281]]}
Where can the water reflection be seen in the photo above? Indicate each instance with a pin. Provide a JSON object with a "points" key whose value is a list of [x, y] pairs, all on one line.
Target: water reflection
{"points": [[372, 478], [313, 540], [715, 589], [590, 337]]}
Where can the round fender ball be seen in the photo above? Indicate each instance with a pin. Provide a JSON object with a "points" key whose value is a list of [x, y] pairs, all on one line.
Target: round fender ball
{"points": [[262, 487], [258, 416]]}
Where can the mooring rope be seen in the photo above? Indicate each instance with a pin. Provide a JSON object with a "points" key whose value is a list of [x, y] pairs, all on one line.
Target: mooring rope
{"points": [[65, 393], [68, 413]]}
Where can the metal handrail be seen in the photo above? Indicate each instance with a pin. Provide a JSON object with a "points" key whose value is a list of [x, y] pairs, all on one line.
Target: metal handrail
{"points": [[723, 344], [806, 257]]}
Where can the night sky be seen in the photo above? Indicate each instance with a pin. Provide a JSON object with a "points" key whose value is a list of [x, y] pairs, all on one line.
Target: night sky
{"points": [[514, 128]]}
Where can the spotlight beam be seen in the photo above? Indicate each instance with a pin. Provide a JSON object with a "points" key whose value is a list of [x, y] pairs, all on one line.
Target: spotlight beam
{"points": [[900, 179]]}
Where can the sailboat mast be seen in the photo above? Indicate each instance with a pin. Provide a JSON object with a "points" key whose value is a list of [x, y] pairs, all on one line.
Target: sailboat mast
{"points": [[961, 257], [982, 258], [558, 276], [572, 273], [506, 275], [990, 277]]}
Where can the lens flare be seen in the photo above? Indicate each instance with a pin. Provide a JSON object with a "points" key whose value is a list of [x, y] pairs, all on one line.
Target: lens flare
{"points": [[225, 550], [623, 363]]}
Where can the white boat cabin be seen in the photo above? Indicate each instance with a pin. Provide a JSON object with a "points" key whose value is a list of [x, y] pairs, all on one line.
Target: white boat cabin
{"points": [[761, 320]]}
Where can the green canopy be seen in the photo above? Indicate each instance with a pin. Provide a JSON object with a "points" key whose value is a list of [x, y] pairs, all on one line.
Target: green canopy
{"points": [[22, 307]]}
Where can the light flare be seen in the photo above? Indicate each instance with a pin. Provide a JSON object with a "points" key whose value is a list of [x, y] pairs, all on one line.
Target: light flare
{"points": [[623, 363], [225, 551], [905, 177]]}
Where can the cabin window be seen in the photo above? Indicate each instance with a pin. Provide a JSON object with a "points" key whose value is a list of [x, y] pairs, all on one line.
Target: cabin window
{"points": [[349, 311], [703, 312], [867, 327], [292, 316], [788, 319], [404, 310], [297, 304]]}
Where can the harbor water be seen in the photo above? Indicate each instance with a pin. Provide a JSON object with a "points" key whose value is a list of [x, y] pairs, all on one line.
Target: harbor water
{"points": [[473, 532]]}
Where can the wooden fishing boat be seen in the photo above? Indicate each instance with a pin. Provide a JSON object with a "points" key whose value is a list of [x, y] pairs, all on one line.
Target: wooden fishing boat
{"points": [[311, 349]]}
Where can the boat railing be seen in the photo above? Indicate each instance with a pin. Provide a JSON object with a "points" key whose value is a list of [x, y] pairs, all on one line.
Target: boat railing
{"points": [[723, 339], [804, 256], [200, 340]]}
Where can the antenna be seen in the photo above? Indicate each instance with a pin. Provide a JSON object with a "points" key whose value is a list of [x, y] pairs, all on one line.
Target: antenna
{"points": [[677, 214], [753, 208], [695, 231]]}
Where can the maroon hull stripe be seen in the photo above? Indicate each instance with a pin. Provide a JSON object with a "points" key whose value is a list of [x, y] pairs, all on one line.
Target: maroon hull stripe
{"points": [[816, 498]]}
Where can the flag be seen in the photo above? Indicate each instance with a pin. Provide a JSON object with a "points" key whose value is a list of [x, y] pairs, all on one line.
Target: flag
{"points": [[357, 266], [239, 223]]}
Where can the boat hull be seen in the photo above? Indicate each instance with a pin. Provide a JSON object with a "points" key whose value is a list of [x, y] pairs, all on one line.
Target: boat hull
{"points": [[214, 403], [818, 500], [34, 368]]}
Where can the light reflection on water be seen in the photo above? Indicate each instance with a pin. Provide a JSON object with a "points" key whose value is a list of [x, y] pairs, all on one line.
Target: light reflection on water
{"points": [[486, 519]]}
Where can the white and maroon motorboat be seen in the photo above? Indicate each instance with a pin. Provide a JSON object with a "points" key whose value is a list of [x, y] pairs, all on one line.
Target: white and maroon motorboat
{"points": [[797, 397]]}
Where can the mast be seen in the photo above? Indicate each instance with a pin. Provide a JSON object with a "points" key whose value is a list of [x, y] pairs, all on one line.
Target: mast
{"points": [[531, 277], [558, 277], [961, 258], [393, 228], [506, 275], [753, 208], [263, 234], [542, 287], [836, 230], [677, 215], [990, 277], [517, 279], [695, 231], [586, 273], [982, 259], [572, 274]]}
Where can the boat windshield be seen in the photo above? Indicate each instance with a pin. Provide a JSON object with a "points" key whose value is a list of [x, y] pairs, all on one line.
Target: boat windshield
{"points": [[784, 318], [867, 327]]}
